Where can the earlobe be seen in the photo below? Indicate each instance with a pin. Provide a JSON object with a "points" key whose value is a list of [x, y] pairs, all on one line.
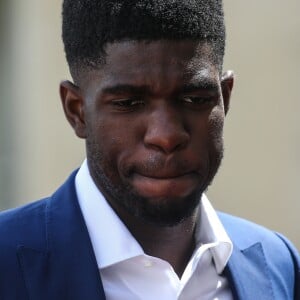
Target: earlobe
{"points": [[73, 105], [227, 82]]}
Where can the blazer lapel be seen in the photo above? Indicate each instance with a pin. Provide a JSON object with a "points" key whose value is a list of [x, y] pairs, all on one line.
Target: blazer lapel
{"points": [[67, 269], [248, 274]]}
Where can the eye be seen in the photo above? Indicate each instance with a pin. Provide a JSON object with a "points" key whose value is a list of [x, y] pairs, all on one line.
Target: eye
{"points": [[199, 101], [129, 103]]}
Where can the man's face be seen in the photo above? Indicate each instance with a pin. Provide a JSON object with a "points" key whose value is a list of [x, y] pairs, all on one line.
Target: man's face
{"points": [[153, 120]]}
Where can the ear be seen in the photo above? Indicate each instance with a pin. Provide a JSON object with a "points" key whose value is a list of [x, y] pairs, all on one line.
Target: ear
{"points": [[73, 105], [227, 81]]}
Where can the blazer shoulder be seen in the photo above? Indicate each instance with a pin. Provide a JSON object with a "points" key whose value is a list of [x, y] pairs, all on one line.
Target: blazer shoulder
{"points": [[23, 225], [245, 233], [27, 225]]}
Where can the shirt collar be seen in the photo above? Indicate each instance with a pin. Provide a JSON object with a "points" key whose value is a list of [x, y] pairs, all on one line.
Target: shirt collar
{"points": [[112, 242], [100, 218], [210, 230]]}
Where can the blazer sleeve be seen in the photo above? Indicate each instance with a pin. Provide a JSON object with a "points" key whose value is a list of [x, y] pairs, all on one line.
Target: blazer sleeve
{"points": [[296, 261]]}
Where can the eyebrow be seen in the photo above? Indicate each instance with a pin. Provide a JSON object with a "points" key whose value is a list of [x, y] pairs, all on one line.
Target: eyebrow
{"points": [[205, 85], [118, 89], [126, 89]]}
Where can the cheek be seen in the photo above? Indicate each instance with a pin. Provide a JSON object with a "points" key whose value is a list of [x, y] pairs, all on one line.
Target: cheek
{"points": [[115, 139], [215, 138], [216, 123], [208, 130]]}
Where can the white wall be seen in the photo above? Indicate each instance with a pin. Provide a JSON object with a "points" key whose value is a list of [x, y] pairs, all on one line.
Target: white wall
{"points": [[260, 177]]}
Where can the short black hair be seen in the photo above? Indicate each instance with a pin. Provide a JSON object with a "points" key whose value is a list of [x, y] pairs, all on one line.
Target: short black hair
{"points": [[88, 25]]}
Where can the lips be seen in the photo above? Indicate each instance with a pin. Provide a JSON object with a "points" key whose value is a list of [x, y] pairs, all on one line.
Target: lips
{"points": [[165, 185], [164, 175]]}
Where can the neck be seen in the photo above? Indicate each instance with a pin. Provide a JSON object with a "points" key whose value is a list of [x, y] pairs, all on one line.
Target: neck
{"points": [[173, 244]]}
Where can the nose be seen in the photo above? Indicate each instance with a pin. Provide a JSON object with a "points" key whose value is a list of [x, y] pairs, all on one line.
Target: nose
{"points": [[166, 131]]}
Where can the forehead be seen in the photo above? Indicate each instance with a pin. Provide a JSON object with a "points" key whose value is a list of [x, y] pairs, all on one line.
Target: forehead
{"points": [[155, 63]]}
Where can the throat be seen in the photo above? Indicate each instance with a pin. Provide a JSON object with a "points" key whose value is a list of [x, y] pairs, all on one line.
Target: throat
{"points": [[176, 254], [172, 244]]}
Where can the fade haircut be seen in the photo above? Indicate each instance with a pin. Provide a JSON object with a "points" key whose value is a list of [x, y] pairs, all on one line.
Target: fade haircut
{"points": [[88, 25]]}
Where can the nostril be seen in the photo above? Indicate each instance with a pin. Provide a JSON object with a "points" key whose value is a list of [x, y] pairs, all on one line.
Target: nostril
{"points": [[167, 141], [165, 128]]}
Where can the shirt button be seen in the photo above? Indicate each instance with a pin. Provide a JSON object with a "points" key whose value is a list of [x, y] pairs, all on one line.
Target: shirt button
{"points": [[148, 264]]}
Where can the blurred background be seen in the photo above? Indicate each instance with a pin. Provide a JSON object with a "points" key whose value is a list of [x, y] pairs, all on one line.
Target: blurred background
{"points": [[260, 175]]}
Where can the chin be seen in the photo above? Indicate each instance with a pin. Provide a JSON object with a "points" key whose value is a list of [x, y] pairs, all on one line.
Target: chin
{"points": [[162, 211]]}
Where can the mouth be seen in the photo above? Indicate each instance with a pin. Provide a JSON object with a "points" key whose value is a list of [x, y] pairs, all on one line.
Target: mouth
{"points": [[166, 185]]}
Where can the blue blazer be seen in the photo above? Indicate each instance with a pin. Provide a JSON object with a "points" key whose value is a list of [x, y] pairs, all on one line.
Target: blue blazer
{"points": [[46, 254]]}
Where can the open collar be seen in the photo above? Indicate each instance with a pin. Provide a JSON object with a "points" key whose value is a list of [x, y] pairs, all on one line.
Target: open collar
{"points": [[67, 267]]}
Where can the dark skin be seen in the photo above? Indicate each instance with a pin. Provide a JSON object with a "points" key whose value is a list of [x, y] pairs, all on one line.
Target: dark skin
{"points": [[152, 117]]}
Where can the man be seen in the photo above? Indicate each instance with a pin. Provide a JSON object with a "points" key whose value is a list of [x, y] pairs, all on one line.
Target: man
{"points": [[149, 97]]}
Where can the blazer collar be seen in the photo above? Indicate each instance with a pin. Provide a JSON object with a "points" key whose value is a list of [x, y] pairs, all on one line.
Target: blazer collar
{"points": [[59, 272], [247, 273]]}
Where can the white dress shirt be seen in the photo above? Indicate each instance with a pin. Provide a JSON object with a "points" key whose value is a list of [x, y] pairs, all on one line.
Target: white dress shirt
{"points": [[128, 273]]}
